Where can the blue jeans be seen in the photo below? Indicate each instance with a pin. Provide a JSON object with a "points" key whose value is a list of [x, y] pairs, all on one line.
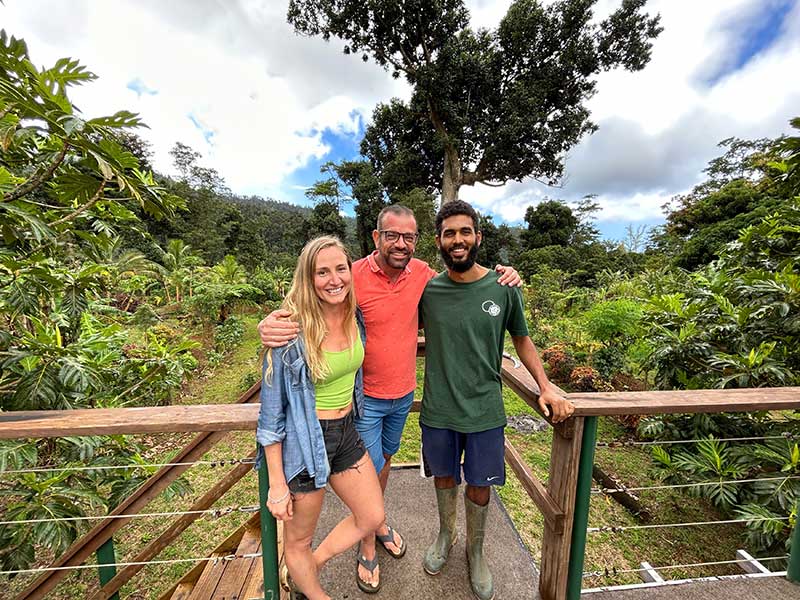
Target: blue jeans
{"points": [[381, 425]]}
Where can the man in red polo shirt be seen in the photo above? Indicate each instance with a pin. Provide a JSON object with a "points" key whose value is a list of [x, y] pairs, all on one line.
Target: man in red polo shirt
{"points": [[388, 285]]}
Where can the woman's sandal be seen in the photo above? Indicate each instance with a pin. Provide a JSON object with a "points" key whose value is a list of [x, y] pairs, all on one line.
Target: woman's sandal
{"points": [[369, 565], [285, 581], [389, 539]]}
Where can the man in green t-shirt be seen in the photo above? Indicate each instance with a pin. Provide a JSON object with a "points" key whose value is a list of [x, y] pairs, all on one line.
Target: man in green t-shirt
{"points": [[466, 316]]}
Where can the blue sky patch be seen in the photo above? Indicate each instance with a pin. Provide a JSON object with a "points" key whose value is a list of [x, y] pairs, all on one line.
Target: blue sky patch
{"points": [[750, 36], [140, 87], [208, 134], [341, 146]]}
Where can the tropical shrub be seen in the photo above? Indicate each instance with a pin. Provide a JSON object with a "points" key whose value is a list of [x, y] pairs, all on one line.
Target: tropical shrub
{"points": [[737, 323], [67, 187], [768, 495]]}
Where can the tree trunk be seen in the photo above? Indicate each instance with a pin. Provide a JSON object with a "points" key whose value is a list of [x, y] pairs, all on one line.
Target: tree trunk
{"points": [[451, 179]]}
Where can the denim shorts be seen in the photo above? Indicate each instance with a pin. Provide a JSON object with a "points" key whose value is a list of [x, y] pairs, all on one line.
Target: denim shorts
{"points": [[343, 447], [381, 426], [484, 455]]}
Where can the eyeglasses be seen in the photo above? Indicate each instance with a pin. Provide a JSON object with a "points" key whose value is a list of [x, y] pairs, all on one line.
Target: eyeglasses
{"points": [[393, 236]]}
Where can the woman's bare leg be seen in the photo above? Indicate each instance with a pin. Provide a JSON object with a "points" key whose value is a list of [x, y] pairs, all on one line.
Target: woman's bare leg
{"points": [[298, 532], [359, 489]]}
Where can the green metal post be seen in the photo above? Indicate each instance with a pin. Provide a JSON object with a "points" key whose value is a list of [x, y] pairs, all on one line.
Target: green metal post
{"points": [[793, 571], [106, 556], [269, 537], [581, 518]]}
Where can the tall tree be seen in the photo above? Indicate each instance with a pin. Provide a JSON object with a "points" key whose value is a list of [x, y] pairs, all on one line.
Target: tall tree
{"points": [[487, 106]]}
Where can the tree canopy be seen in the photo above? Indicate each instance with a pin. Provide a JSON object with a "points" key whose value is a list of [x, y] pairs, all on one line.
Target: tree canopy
{"points": [[487, 106]]}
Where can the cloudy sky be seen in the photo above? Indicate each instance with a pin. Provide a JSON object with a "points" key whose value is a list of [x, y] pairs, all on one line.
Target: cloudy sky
{"points": [[266, 108]]}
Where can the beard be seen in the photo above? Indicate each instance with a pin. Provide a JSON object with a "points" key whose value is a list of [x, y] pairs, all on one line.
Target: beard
{"points": [[463, 265]]}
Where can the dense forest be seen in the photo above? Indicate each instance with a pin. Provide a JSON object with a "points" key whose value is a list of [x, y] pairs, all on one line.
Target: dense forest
{"points": [[118, 283]]}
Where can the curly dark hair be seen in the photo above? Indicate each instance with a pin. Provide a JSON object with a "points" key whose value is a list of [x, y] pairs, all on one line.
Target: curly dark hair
{"points": [[457, 207]]}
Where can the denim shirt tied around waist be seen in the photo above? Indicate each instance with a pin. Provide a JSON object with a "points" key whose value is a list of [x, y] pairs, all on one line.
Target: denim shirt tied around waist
{"points": [[288, 412]]}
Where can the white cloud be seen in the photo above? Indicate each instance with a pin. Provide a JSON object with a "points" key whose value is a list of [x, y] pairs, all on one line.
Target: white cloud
{"points": [[211, 64]]}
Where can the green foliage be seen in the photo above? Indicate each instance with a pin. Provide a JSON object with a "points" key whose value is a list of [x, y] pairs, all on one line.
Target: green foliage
{"points": [[550, 223], [326, 220], [63, 493], [736, 324], [69, 188], [751, 181], [229, 335], [716, 466], [613, 321], [498, 243]]}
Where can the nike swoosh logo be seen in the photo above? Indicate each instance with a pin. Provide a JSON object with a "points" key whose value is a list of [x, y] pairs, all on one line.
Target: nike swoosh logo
{"points": [[495, 477]]}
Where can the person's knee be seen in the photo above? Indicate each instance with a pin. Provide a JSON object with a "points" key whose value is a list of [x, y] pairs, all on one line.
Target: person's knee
{"points": [[297, 544], [478, 494], [444, 483], [371, 519]]}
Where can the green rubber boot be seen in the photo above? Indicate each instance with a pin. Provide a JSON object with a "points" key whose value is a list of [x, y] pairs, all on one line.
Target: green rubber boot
{"points": [[438, 552], [479, 575]]}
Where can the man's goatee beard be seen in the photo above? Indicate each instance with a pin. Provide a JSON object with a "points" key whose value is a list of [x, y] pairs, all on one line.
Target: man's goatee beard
{"points": [[461, 266]]}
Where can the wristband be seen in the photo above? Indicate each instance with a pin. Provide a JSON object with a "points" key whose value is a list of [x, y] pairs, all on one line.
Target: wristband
{"points": [[279, 500]]}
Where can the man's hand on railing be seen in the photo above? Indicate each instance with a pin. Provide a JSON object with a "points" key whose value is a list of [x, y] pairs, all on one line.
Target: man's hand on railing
{"points": [[562, 408]]}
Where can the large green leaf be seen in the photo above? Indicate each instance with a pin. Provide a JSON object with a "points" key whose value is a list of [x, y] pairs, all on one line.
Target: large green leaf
{"points": [[37, 389], [17, 454], [120, 119], [74, 188]]}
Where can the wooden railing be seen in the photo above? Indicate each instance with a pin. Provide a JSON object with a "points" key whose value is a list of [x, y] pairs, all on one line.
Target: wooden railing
{"points": [[572, 456], [563, 501], [99, 539]]}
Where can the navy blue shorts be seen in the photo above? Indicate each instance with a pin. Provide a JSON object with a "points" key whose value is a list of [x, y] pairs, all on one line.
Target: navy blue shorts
{"points": [[483, 451]]}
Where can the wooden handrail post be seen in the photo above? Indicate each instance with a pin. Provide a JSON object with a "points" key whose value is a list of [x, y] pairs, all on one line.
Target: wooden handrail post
{"points": [[269, 536], [793, 570], [581, 516], [106, 561], [562, 486]]}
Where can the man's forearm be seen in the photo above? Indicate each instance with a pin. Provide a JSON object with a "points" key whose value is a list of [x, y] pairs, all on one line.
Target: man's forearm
{"points": [[530, 358]]}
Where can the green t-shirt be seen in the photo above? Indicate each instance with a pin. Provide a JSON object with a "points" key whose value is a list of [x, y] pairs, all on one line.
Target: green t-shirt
{"points": [[465, 325]]}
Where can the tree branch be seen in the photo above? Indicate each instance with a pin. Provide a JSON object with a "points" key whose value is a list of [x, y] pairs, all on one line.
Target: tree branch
{"points": [[94, 199], [436, 120], [409, 70], [426, 51], [38, 178], [410, 62]]}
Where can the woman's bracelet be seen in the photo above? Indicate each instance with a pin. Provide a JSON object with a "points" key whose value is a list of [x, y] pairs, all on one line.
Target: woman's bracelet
{"points": [[279, 500]]}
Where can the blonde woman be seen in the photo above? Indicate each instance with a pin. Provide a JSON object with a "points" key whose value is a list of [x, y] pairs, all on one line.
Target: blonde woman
{"points": [[311, 392]]}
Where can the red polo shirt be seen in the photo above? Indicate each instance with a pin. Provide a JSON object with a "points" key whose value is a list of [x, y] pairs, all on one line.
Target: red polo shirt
{"points": [[392, 322]]}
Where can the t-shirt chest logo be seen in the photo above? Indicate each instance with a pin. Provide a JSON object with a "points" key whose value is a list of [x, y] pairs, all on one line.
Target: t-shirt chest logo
{"points": [[490, 307]]}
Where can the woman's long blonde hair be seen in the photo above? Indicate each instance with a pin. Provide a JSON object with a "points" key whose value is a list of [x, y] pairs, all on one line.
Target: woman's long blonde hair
{"points": [[306, 307]]}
